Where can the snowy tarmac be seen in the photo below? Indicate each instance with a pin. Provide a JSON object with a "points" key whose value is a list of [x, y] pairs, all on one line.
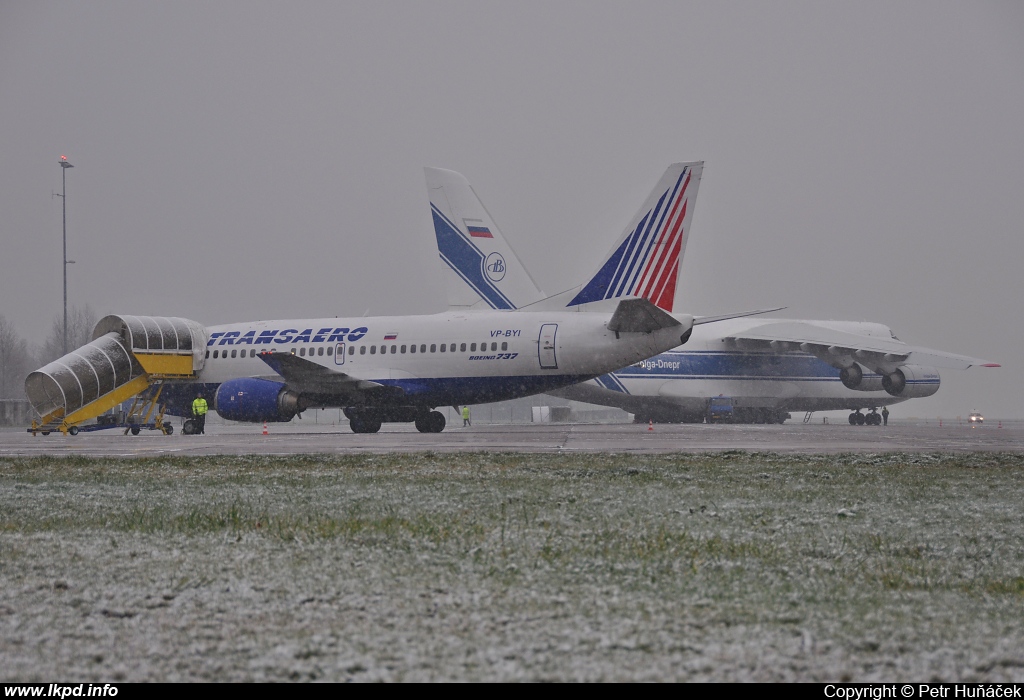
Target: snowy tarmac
{"points": [[295, 438]]}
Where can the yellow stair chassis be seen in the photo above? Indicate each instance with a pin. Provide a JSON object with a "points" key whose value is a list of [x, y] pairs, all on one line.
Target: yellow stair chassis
{"points": [[128, 355]]}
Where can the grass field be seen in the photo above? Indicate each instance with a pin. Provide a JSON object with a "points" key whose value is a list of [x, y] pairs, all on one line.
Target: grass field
{"points": [[733, 566]]}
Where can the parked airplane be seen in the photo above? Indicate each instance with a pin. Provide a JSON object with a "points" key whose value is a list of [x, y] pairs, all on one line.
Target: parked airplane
{"points": [[761, 368], [400, 368]]}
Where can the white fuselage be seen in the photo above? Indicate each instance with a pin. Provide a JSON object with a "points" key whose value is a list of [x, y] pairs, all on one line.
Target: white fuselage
{"points": [[442, 359], [684, 379]]}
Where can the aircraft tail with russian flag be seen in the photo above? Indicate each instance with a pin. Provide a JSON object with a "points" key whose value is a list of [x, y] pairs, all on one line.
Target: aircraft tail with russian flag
{"points": [[643, 263], [487, 274]]}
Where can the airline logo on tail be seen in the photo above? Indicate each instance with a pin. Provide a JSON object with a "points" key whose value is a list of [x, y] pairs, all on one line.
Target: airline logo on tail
{"points": [[646, 262], [465, 259]]}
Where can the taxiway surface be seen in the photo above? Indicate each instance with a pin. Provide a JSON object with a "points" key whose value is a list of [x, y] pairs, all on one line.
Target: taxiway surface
{"points": [[619, 438]]}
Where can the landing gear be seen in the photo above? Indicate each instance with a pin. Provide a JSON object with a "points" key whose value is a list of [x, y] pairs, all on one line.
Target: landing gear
{"points": [[432, 422], [364, 425], [188, 428], [73, 430], [872, 418]]}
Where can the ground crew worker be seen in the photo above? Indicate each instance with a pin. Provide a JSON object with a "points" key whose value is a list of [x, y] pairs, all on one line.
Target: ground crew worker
{"points": [[465, 416], [885, 415], [199, 409]]}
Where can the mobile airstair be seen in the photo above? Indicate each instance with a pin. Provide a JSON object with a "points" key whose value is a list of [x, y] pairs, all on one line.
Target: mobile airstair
{"points": [[128, 356]]}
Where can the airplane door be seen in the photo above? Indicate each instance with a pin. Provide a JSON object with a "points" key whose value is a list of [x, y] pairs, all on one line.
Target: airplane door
{"points": [[546, 346], [339, 354]]}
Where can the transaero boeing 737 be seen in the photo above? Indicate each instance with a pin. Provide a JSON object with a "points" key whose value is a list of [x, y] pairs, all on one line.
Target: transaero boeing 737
{"points": [[500, 339], [763, 368]]}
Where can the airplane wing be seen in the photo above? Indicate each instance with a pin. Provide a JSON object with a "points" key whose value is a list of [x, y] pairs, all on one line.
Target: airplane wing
{"points": [[305, 377], [701, 320], [869, 350]]}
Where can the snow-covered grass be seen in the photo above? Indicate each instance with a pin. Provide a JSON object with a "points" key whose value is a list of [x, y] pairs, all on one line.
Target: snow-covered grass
{"points": [[732, 566]]}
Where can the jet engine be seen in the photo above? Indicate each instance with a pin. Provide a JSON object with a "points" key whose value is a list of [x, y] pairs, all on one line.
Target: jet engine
{"points": [[911, 382], [255, 400], [853, 377]]}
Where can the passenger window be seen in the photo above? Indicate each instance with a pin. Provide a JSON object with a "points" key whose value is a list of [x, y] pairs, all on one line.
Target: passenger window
{"points": [[433, 347], [494, 346], [423, 347], [320, 350], [293, 351], [216, 354], [302, 352], [373, 349], [252, 353], [330, 351], [351, 349], [472, 348], [403, 349], [443, 347], [383, 349], [394, 349], [462, 348], [412, 348], [504, 346], [362, 349], [207, 354], [234, 353]]}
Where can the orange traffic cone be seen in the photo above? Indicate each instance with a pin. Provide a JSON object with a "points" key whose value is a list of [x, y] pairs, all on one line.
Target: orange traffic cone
{"points": [[650, 427], [265, 428]]}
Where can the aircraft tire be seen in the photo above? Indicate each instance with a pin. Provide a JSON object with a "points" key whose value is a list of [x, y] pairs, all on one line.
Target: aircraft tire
{"points": [[853, 419], [364, 425], [861, 420], [136, 430], [189, 427], [423, 423], [437, 421], [73, 430], [168, 429]]}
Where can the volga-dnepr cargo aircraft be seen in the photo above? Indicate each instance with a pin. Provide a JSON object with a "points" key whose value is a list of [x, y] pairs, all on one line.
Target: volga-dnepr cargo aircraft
{"points": [[763, 367], [500, 339]]}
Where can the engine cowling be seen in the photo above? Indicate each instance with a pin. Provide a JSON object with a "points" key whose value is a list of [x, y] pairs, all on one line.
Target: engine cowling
{"points": [[255, 400], [853, 377], [911, 382]]}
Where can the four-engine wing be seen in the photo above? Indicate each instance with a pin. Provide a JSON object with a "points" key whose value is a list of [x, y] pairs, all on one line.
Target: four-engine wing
{"points": [[841, 348]]}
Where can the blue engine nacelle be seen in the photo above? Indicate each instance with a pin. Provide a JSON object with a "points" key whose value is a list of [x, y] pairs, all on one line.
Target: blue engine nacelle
{"points": [[255, 400]]}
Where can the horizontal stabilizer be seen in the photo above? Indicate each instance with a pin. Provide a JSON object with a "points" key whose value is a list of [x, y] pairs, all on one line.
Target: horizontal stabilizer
{"points": [[639, 316], [307, 377]]}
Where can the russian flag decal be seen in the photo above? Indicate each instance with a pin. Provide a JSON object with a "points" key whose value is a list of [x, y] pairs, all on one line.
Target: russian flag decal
{"points": [[477, 229]]}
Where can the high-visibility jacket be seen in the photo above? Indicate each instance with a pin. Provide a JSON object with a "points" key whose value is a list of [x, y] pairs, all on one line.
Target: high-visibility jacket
{"points": [[199, 407], [465, 413]]}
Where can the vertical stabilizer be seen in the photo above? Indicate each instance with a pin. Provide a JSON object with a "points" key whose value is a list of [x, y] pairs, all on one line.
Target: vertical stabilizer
{"points": [[645, 260], [486, 272]]}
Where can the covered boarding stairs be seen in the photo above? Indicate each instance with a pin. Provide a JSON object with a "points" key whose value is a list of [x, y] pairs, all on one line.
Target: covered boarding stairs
{"points": [[127, 355]]}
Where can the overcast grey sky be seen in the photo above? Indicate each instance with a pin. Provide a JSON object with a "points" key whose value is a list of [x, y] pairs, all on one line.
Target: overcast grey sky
{"points": [[242, 160]]}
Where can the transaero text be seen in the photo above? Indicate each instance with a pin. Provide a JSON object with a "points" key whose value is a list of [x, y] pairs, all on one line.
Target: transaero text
{"points": [[288, 335]]}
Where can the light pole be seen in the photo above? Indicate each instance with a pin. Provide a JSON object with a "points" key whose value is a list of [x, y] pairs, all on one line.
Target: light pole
{"points": [[64, 165]]}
